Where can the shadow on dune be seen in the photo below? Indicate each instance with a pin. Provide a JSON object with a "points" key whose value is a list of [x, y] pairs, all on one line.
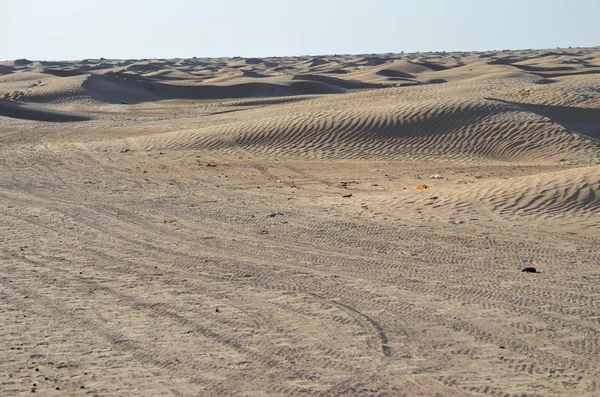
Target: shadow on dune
{"points": [[557, 71], [546, 81], [374, 61], [337, 71], [395, 73], [17, 110], [6, 70], [548, 72], [22, 62], [562, 74], [585, 121], [63, 72], [254, 75], [318, 62], [346, 84], [531, 68], [254, 61], [433, 66]]}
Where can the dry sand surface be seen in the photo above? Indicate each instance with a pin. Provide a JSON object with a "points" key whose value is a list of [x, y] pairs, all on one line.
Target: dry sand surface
{"points": [[252, 227]]}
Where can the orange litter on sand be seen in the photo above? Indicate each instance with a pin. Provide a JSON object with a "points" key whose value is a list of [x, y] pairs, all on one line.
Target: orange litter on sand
{"points": [[422, 187]]}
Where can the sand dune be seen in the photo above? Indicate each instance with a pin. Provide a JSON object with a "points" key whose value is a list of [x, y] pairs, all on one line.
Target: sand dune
{"points": [[367, 128], [572, 195], [426, 124], [565, 198], [316, 225]]}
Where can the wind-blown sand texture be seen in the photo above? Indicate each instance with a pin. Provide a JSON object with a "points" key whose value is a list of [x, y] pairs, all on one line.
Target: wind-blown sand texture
{"points": [[179, 227]]}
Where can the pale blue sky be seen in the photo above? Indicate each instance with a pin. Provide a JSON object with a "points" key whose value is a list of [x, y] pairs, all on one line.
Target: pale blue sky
{"points": [[77, 29]]}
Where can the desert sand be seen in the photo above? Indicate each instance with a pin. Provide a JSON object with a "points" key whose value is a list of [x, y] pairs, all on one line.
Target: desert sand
{"points": [[253, 227]]}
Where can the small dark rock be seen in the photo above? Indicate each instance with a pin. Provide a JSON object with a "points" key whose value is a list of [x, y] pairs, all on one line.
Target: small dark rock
{"points": [[529, 270], [217, 310], [347, 195]]}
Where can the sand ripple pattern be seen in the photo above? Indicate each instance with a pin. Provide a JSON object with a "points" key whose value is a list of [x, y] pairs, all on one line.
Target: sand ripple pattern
{"points": [[569, 196], [361, 126]]}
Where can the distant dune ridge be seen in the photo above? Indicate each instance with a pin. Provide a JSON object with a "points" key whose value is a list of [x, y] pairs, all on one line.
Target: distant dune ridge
{"points": [[116, 89]]}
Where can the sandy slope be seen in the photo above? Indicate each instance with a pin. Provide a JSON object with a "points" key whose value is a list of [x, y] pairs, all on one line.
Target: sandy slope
{"points": [[252, 226]]}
